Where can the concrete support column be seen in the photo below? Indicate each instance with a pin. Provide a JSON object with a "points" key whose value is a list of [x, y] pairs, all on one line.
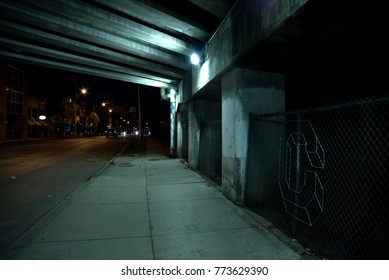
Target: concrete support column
{"points": [[173, 128], [193, 136], [182, 131], [244, 92], [199, 111]]}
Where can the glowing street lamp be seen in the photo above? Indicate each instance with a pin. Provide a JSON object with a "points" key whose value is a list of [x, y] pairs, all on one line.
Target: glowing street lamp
{"points": [[195, 59]]}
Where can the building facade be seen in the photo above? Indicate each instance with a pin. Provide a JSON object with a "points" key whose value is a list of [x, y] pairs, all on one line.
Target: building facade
{"points": [[19, 114], [13, 102]]}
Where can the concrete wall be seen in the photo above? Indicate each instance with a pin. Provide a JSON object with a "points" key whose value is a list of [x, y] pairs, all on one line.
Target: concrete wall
{"points": [[244, 92], [182, 95], [199, 111], [248, 23]]}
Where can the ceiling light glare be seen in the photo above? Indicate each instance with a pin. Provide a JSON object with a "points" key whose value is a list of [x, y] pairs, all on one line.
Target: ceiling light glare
{"points": [[195, 59]]}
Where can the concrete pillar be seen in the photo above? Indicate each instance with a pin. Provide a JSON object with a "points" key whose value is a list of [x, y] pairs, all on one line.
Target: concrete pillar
{"points": [[173, 128], [193, 136], [182, 131], [244, 92], [182, 117]]}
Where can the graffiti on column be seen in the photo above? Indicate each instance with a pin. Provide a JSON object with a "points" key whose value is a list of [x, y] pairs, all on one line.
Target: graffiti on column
{"points": [[300, 166]]}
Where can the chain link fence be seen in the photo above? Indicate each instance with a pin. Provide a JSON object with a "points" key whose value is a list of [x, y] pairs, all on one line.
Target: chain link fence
{"points": [[321, 176]]}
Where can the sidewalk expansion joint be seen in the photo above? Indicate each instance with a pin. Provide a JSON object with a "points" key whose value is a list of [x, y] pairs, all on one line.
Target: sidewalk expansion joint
{"points": [[148, 214], [177, 183], [208, 231], [89, 239]]}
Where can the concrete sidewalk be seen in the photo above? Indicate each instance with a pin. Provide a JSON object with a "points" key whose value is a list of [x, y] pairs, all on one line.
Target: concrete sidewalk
{"points": [[146, 207]]}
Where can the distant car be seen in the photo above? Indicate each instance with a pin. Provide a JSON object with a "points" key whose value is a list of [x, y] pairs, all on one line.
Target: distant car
{"points": [[146, 132], [111, 133]]}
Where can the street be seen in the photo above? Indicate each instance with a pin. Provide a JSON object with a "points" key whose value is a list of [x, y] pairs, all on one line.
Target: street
{"points": [[37, 175]]}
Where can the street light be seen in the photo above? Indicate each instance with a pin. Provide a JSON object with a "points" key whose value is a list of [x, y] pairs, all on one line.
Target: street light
{"points": [[195, 59]]}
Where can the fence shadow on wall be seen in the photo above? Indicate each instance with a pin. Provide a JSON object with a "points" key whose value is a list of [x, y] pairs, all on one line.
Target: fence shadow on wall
{"points": [[321, 176]]}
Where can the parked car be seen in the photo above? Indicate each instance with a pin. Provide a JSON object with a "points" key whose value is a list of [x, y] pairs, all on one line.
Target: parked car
{"points": [[111, 133]]}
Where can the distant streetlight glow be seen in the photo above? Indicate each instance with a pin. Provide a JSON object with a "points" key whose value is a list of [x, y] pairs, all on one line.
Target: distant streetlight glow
{"points": [[195, 59], [83, 91], [42, 117]]}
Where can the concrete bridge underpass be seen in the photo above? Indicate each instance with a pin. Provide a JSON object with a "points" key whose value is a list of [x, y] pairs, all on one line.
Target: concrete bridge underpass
{"points": [[240, 116]]}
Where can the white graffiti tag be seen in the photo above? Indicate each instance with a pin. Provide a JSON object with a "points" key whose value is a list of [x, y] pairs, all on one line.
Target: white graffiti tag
{"points": [[301, 189]]}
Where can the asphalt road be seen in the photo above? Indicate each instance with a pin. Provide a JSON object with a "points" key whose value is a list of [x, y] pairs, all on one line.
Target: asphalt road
{"points": [[36, 176]]}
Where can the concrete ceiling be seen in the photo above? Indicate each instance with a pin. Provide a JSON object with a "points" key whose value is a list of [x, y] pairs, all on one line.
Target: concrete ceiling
{"points": [[146, 42], [149, 42]]}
